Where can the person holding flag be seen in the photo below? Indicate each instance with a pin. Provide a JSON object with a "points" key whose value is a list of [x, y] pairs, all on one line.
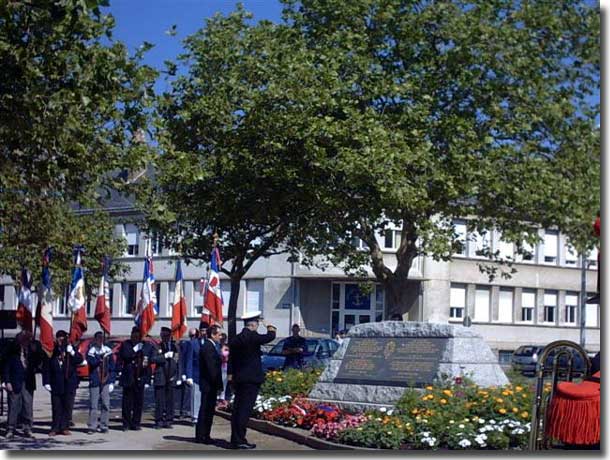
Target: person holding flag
{"points": [[24, 308], [44, 310], [135, 378], [102, 304], [165, 377], [76, 301], [147, 309], [101, 383], [178, 328]]}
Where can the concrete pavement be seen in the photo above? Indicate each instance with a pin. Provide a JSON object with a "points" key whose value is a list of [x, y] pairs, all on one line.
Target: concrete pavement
{"points": [[179, 438]]}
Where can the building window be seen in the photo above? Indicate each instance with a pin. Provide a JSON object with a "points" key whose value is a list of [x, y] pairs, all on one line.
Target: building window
{"points": [[528, 253], [505, 306], [2, 291], [254, 295], [391, 239], [460, 235], [505, 249], [61, 303], [592, 259], [379, 302], [359, 244], [131, 235], [457, 301], [571, 308], [156, 243], [197, 299], [551, 243], [336, 300], [528, 306], [550, 304], [481, 305], [131, 292], [591, 313], [571, 255], [481, 244]]}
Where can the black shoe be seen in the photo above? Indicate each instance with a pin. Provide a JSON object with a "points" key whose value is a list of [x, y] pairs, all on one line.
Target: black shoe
{"points": [[9, 435], [243, 446], [90, 431], [157, 426], [103, 430], [125, 428], [206, 441], [137, 428], [28, 434]]}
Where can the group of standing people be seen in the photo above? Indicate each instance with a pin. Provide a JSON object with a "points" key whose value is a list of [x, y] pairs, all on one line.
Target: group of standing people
{"points": [[196, 373]]}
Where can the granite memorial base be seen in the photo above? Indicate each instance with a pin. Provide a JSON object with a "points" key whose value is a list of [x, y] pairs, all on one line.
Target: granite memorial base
{"points": [[378, 361]]}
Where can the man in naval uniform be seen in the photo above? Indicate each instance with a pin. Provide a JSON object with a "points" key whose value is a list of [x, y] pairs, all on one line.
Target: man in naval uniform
{"points": [[245, 373]]}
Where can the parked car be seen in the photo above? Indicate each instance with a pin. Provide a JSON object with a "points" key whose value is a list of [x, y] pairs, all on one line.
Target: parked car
{"points": [[318, 354], [113, 342], [525, 359]]}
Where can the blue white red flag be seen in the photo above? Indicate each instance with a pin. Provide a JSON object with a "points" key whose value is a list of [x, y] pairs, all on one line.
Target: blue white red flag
{"points": [[179, 324], [44, 316], [212, 303], [77, 300], [102, 304], [147, 309]]}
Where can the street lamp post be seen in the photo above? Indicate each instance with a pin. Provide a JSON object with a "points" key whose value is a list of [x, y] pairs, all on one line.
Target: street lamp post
{"points": [[583, 299]]}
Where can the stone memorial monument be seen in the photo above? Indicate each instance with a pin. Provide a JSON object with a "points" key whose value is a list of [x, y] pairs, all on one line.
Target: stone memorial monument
{"points": [[378, 361]]}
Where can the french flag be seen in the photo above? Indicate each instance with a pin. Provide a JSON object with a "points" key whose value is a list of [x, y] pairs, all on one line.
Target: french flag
{"points": [[24, 308], [179, 325], [102, 304], [77, 300], [44, 316], [147, 306], [212, 304]]}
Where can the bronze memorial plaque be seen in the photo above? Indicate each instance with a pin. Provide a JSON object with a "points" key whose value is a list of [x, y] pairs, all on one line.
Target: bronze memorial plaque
{"points": [[391, 361]]}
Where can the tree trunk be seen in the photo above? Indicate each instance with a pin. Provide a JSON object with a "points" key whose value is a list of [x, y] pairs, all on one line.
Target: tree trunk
{"points": [[232, 320], [401, 297]]}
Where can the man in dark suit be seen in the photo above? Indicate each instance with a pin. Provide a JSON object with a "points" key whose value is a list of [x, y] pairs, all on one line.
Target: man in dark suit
{"points": [[19, 374], [165, 376], [245, 372], [210, 383], [59, 377], [135, 377]]}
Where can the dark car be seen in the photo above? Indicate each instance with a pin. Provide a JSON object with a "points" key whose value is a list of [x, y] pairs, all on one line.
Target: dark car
{"points": [[318, 354], [525, 359]]}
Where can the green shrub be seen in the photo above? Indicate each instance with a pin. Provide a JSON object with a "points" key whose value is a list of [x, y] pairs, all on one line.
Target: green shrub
{"points": [[292, 382]]}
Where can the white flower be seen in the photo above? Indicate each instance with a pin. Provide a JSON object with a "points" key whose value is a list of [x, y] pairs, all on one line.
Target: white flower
{"points": [[391, 411], [451, 422], [461, 425], [492, 422], [481, 421], [383, 409], [464, 443], [260, 409], [431, 441], [425, 434]]}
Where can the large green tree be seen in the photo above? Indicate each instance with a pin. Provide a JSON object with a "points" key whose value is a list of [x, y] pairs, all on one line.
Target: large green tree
{"points": [[440, 110], [234, 157], [71, 101]]}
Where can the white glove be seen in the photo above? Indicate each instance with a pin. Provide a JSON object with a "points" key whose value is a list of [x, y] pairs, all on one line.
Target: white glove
{"points": [[178, 383], [189, 382], [110, 388], [146, 385], [169, 354], [138, 347], [92, 351], [183, 377], [70, 349], [47, 387]]}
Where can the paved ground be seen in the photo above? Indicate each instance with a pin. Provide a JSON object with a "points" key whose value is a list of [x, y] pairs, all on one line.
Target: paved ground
{"points": [[180, 437]]}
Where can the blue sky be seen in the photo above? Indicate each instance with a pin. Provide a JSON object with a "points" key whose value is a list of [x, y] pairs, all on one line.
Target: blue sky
{"points": [[138, 21]]}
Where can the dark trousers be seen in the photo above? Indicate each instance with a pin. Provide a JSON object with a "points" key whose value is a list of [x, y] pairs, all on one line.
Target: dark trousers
{"points": [[60, 405], [245, 397], [133, 400], [71, 398], [20, 407], [164, 403], [206, 413], [183, 399]]}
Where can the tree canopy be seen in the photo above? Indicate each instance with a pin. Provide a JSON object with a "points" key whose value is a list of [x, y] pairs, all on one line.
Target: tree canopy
{"points": [[71, 99], [485, 110]]}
